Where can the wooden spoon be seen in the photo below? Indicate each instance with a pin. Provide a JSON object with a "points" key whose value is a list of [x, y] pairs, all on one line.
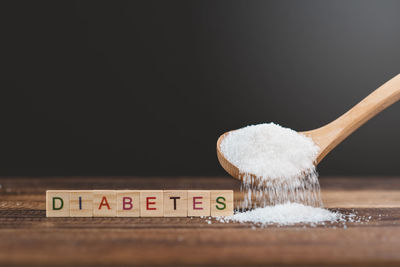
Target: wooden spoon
{"points": [[330, 135]]}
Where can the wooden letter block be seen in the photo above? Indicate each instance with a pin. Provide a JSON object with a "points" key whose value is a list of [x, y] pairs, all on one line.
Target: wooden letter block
{"points": [[175, 203], [128, 203], [104, 203], [198, 203], [80, 203], [151, 203], [221, 203], [57, 203]]}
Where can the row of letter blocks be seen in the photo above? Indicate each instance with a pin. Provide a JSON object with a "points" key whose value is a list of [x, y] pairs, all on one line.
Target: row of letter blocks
{"points": [[138, 203]]}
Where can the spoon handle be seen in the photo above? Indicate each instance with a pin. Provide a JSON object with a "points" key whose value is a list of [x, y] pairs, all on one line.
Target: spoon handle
{"points": [[332, 134], [370, 106]]}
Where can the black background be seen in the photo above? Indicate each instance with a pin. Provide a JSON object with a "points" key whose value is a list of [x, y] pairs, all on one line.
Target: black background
{"points": [[146, 87]]}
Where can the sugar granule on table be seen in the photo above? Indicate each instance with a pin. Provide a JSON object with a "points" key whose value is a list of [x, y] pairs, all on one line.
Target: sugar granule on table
{"points": [[294, 213], [285, 214]]}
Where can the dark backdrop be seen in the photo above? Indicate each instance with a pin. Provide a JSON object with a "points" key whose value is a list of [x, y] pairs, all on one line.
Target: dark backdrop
{"points": [[146, 87]]}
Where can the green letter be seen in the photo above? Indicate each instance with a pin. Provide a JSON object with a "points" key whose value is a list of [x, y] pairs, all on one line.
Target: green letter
{"points": [[219, 202], [54, 203]]}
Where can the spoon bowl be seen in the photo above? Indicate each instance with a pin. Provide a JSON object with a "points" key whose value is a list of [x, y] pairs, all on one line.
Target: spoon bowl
{"points": [[332, 134]]}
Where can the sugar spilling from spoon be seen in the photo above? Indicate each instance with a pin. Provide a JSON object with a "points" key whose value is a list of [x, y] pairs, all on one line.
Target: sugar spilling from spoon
{"points": [[279, 179]]}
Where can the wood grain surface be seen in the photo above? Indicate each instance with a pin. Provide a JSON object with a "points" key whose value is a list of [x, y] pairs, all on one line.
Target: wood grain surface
{"points": [[28, 237]]}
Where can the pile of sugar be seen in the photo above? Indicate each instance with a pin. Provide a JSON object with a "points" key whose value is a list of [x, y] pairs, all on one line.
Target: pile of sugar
{"points": [[292, 214], [285, 214]]}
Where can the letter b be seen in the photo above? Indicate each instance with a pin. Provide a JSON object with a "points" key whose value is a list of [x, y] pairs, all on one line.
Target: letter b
{"points": [[127, 203]]}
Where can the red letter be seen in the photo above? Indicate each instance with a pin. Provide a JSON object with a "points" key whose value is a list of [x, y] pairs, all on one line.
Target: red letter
{"points": [[127, 201], [194, 203], [149, 203], [104, 202]]}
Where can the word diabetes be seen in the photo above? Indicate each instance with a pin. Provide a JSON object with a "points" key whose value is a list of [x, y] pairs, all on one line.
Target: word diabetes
{"points": [[138, 203]]}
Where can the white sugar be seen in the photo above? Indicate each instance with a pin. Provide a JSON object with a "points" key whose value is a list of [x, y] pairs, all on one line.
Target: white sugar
{"points": [[279, 179], [285, 214]]}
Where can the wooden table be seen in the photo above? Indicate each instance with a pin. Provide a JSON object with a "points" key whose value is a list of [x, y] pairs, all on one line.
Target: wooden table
{"points": [[28, 237]]}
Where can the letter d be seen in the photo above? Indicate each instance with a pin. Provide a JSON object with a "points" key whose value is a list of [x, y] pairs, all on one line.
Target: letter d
{"points": [[61, 203]]}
